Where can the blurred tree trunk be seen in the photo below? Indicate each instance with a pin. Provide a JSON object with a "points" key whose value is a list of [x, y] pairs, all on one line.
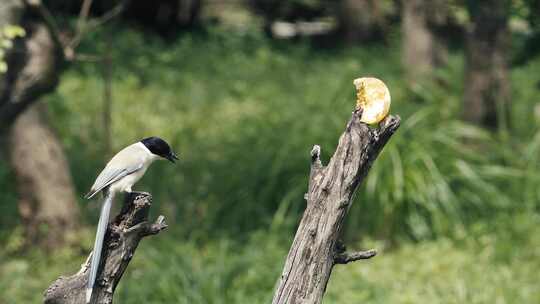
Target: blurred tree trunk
{"points": [[438, 19], [188, 12], [487, 83], [10, 14], [46, 197], [34, 65], [167, 17], [424, 47], [107, 67], [360, 20], [47, 203]]}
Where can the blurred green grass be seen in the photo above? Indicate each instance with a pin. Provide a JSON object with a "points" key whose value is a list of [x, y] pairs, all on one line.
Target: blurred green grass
{"points": [[452, 206], [490, 264]]}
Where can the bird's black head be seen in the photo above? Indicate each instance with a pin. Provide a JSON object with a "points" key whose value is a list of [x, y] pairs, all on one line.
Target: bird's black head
{"points": [[159, 147]]}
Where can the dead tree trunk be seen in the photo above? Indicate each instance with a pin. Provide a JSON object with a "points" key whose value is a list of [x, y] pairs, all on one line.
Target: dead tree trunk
{"points": [[121, 240], [316, 247]]}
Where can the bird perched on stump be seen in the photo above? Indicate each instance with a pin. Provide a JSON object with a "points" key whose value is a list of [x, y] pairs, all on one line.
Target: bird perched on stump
{"points": [[119, 175]]}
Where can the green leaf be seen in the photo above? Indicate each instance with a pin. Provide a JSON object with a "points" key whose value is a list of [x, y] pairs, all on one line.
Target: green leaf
{"points": [[3, 67], [13, 31], [6, 44]]}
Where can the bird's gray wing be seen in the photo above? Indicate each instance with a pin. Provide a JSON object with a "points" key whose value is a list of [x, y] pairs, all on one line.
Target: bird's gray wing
{"points": [[110, 175]]}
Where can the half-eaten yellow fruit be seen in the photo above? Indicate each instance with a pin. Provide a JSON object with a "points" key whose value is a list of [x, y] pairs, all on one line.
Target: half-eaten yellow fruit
{"points": [[374, 99]]}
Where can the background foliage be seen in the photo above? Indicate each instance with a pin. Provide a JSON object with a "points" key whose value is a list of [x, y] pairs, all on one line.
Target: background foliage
{"points": [[452, 207]]}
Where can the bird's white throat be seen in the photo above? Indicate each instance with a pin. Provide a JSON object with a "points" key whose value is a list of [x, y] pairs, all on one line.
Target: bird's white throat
{"points": [[151, 157]]}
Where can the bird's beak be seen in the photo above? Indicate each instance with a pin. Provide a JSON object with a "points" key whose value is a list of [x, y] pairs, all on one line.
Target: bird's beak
{"points": [[172, 157]]}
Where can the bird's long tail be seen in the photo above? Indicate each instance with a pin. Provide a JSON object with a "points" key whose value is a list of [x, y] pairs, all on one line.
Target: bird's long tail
{"points": [[98, 244]]}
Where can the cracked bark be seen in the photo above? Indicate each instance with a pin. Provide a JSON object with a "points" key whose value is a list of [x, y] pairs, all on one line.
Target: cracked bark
{"points": [[316, 247], [121, 240]]}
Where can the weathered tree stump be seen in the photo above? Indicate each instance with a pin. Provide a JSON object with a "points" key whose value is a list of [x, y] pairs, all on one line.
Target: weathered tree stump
{"points": [[121, 240], [316, 247]]}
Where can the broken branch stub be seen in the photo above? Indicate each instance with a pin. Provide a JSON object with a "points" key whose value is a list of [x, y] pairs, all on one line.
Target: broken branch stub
{"points": [[121, 240]]}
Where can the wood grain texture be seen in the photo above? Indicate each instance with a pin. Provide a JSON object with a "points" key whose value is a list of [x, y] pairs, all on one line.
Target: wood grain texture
{"points": [[316, 247], [121, 240]]}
